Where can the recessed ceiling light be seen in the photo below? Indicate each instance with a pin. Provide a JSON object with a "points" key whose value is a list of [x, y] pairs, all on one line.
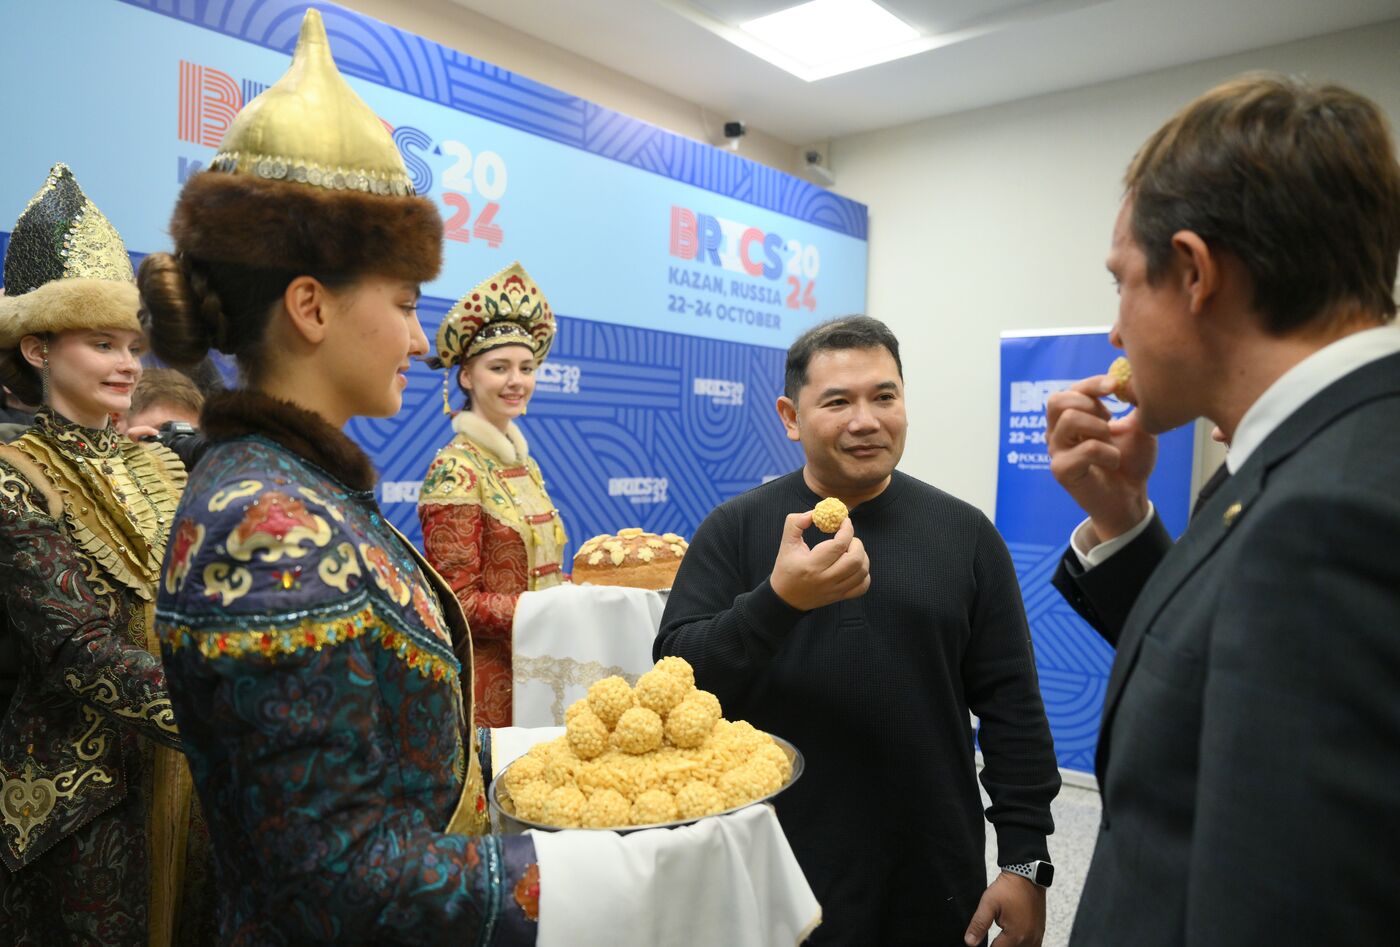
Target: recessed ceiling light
{"points": [[821, 34], [825, 38]]}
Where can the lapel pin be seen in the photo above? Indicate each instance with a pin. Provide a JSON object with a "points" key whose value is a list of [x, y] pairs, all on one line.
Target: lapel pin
{"points": [[1232, 513]]}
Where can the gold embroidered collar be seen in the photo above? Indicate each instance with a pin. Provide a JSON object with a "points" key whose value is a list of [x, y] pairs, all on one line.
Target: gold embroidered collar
{"points": [[74, 439], [119, 497]]}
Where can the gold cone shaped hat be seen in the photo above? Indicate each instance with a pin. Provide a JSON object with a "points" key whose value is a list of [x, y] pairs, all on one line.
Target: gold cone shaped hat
{"points": [[310, 127], [308, 180]]}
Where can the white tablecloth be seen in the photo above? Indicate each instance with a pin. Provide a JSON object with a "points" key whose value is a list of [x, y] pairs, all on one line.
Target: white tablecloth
{"points": [[727, 880], [567, 637]]}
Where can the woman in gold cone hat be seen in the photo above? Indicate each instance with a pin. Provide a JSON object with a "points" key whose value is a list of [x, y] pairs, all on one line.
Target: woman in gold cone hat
{"points": [[319, 669]]}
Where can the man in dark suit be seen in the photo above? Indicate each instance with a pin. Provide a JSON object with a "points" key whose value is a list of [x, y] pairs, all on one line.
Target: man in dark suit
{"points": [[1249, 756]]}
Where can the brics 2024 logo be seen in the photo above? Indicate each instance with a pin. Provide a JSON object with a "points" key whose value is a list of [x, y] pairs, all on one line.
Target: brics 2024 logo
{"points": [[559, 377], [720, 390], [747, 251], [473, 184]]}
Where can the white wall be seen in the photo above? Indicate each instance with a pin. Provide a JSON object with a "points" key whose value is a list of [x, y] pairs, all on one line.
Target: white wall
{"points": [[999, 219], [457, 27]]}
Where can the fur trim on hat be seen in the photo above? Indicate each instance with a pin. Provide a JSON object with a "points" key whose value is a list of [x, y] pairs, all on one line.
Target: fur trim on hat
{"points": [[239, 218], [243, 412], [64, 304], [509, 447]]}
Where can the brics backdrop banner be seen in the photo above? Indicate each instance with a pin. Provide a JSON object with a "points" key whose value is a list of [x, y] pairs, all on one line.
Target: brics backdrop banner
{"points": [[679, 272], [1035, 517]]}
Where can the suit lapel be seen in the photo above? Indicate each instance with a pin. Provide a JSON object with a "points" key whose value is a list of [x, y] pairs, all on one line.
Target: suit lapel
{"points": [[1220, 515], [1207, 530]]}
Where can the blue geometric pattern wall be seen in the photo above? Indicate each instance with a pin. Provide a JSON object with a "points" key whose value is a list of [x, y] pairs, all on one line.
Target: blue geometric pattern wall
{"points": [[1036, 516], [376, 52], [1072, 659], [622, 431]]}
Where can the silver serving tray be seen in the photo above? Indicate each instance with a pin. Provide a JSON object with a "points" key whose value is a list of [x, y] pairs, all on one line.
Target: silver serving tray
{"points": [[498, 798]]}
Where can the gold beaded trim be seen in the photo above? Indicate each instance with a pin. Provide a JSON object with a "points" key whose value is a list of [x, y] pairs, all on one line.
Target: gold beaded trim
{"points": [[313, 634]]}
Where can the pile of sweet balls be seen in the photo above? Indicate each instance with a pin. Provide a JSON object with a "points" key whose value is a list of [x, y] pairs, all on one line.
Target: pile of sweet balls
{"points": [[657, 752]]}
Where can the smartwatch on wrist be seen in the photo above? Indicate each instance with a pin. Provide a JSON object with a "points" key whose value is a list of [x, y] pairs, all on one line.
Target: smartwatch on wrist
{"points": [[1038, 872]]}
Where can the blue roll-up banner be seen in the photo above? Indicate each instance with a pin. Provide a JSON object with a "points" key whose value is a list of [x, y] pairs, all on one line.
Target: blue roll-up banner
{"points": [[680, 272], [1035, 516]]}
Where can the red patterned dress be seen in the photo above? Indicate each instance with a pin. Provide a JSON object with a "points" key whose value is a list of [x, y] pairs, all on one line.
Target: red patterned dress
{"points": [[491, 530]]}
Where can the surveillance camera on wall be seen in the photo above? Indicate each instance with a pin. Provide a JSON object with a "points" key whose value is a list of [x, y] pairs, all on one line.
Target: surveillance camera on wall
{"points": [[734, 130], [815, 170]]}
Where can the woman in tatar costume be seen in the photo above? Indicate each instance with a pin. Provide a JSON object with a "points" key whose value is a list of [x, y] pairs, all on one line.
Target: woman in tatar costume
{"points": [[95, 797], [489, 525], [318, 667]]}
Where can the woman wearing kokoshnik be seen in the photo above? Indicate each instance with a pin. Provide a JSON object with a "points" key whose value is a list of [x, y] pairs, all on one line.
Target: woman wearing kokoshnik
{"points": [[319, 669], [489, 526], [95, 796]]}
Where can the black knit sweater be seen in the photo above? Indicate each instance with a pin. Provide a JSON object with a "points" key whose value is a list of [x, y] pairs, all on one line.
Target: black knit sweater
{"points": [[875, 691]]}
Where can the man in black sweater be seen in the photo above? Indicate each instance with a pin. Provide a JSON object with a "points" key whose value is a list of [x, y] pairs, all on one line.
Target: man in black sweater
{"points": [[868, 653]]}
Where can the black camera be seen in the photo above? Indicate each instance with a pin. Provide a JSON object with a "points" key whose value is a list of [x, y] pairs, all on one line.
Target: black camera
{"points": [[183, 439]]}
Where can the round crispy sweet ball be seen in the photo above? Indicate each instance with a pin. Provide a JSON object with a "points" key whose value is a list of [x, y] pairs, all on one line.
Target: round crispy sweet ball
{"points": [[753, 780], [775, 754], [560, 764], [829, 514], [697, 799], [576, 708], [564, 806], [588, 737], [610, 698], [659, 691], [680, 667], [690, 723], [529, 800], [606, 809], [638, 731], [738, 737], [527, 769], [1121, 371], [654, 805], [708, 699]]}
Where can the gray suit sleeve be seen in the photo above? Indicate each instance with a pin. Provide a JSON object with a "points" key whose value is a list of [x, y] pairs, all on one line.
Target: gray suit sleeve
{"points": [[1104, 595]]}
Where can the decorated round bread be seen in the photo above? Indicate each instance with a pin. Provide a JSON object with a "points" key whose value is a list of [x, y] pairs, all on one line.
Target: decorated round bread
{"points": [[632, 558]]}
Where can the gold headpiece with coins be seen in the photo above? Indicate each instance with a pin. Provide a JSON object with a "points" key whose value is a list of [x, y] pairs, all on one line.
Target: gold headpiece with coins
{"points": [[309, 179], [65, 267]]}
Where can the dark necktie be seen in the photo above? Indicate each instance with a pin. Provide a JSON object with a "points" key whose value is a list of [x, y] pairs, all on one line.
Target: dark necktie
{"points": [[1217, 479]]}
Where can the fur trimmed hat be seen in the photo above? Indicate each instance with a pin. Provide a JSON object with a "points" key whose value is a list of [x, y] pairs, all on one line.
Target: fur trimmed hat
{"points": [[308, 178], [65, 267], [65, 304]]}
